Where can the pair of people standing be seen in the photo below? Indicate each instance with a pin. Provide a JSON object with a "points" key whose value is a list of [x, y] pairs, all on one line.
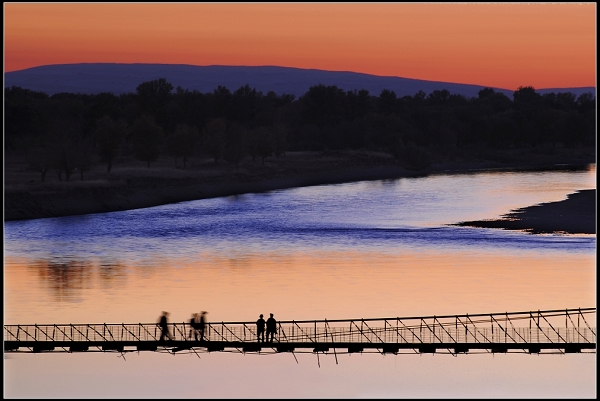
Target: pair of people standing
{"points": [[271, 324], [197, 325]]}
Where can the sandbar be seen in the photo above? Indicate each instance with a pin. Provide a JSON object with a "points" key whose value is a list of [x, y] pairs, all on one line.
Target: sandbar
{"points": [[574, 215]]}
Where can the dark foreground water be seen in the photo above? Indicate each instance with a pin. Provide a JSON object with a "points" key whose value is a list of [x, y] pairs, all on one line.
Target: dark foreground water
{"points": [[367, 249]]}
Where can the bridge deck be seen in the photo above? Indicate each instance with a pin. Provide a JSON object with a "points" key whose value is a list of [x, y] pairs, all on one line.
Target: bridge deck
{"points": [[565, 331]]}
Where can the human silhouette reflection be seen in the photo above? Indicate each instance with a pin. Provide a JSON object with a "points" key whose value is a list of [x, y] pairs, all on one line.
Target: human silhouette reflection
{"points": [[164, 327], [260, 329], [271, 327]]}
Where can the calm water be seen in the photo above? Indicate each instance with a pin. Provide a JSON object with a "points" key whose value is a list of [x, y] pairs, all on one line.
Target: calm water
{"points": [[366, 249]]}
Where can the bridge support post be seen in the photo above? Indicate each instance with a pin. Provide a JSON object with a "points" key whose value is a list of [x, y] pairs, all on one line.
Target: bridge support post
{"points": [[251, 347], [461, 349], [390, 349], [427, 349], [285, 348], [43, 347], [354, 349]]}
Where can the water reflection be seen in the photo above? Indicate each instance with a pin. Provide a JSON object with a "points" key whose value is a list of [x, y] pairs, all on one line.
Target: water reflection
{"points": [[112, 273], [64, 278], [301, 285]]}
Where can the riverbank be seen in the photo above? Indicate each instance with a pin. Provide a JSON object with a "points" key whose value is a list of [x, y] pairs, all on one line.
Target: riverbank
{"points": [[574, 215], [132, 185]]}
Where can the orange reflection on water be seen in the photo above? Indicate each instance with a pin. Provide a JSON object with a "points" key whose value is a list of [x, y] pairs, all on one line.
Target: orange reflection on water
{"points": [[297, 285]]}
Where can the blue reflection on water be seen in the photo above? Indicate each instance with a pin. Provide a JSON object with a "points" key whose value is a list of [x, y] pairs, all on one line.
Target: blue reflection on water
{"points": [[404, 214]]}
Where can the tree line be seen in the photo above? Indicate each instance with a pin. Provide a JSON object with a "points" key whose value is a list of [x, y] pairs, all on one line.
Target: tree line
{"points": [[68, 133]]}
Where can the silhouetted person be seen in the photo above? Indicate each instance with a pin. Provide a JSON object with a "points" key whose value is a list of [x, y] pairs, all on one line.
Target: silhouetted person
{"points": [[271, 327], [202, 325], [194, 323], [164, 327], [260, 329]]}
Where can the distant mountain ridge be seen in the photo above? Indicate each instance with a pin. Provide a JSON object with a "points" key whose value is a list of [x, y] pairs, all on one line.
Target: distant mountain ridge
{"points": [[91, 78]]}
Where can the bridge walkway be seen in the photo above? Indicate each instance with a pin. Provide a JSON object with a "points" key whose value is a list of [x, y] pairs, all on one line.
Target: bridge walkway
{"points": [[559, 331]]}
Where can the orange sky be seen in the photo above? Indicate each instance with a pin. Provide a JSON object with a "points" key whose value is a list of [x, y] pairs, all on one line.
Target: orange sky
{"points": [[499, 45]]}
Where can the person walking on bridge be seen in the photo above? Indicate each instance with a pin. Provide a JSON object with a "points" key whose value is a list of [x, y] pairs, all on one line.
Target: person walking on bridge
{"points": [[164, 327], [260, 328], [202, 324], [271, 327], [194, 326]]}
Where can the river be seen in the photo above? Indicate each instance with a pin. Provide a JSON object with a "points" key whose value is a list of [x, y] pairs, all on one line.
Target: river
{"points": [[356, 250]]}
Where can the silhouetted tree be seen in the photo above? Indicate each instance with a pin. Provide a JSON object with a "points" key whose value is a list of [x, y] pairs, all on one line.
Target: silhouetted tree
{"points": [[182, 143], [109, 136], [84, 159], [154, 94], [323, 105], [63, 146], [419, 97], [235, 143], [221, 98], [440, 125], [485, 92], [357, 104], [146, 139], [264, 144], [438, 96], [24, 118], [279, 137], [214, 138], [243, 104], [40, 159], [526, 95], [586, 103], [496, 102], [308, 137], [387, 101], [565, 101], [154, 98]]}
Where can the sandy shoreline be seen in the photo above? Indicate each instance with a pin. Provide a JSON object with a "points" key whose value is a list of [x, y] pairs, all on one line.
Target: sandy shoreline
{"points": [[127, 187]]}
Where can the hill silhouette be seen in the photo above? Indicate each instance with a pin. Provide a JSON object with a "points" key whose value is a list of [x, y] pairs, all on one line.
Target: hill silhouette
{"points": [[92, 78]]}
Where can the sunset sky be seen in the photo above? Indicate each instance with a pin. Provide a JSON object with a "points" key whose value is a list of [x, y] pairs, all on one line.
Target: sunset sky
{"points": [[499, 45]]}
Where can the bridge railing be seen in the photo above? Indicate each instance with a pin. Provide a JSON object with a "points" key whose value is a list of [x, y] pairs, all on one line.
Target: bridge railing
{"points": [[82, 332], [290, 333], [566, 326]]}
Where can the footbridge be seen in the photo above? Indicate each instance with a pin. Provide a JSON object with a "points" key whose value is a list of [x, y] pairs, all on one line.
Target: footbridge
{"points": [[534, 332]]}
